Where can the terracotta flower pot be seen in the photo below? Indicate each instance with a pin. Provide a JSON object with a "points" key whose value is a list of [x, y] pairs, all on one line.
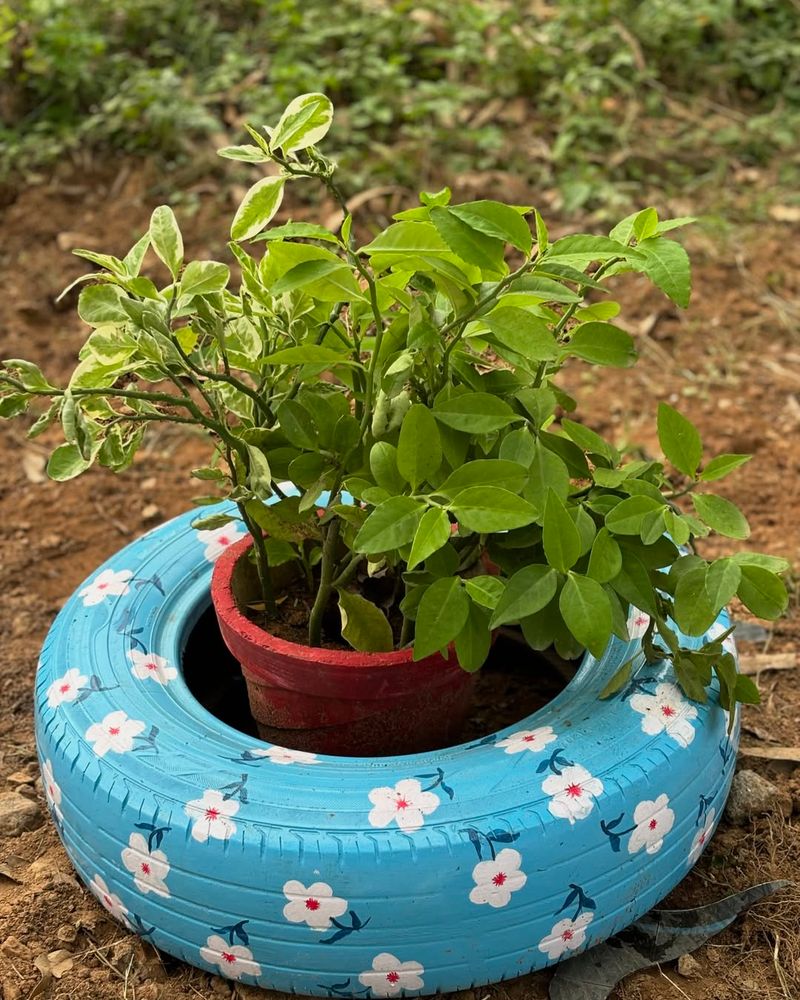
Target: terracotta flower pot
{"points": [[337, 701]]}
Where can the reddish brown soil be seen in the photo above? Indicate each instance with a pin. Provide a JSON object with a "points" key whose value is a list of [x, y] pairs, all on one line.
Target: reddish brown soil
{"points": [[732, 363]]}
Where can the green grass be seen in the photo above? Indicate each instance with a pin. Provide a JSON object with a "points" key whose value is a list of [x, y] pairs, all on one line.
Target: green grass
{"points": [[596, 99]]}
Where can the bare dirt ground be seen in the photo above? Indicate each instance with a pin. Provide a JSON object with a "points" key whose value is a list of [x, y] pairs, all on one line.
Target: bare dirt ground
{"points": [[732, 363]]}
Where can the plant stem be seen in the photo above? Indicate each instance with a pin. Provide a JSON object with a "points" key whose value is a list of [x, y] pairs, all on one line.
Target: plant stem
{"points": [[326, 585], [262, 563]]}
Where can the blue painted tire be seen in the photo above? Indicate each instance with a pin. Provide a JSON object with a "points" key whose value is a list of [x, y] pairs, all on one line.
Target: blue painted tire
{"points": [[353, 876]]}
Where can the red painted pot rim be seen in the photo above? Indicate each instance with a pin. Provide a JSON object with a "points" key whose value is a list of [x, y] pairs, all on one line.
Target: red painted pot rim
{"points": [[229, 613]]}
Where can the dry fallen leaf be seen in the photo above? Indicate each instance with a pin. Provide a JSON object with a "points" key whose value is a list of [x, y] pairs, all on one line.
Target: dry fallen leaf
{"points": [[759, 662], [784, 213], [773, 753], [54, 963]]}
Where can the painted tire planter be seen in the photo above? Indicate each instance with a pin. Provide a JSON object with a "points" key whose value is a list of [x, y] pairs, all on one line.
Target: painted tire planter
{"points": [[355, 876], [333, 700]]}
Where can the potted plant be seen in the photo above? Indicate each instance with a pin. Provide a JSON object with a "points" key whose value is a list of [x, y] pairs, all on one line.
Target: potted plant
{"points": [[407, 385]]}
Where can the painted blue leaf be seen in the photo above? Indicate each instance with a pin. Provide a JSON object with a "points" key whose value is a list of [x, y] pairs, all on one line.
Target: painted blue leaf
{"points": [[475, 837], [543, 766], [448, 791], [569, 900], [240, 932], [502, 836]]}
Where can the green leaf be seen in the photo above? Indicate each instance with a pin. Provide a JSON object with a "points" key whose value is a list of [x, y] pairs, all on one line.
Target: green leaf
{"points": [[469, 244], [305, 121], [307, 354], [602, 344], [722, 581], [496, 219], [667, 265], [246, 153], [383, 465], [586, 610], [393, 523], [485, 590], [746, 690], [627, 517], [166, 239], [762, 592], [490, 508], [528, 591], [405, 239], [775, 564], [202, 277], [582, 250], [722, 466], [212, 521], [560, 537], [101, 304], [721, 515], [364, 626], [441, 615], [433, 532], [66, 462], [542, 236], [618, 681], [605, 560], [590, 441], [634, 584], [297, 230], [679, 530], [693, 609], [259, 476], [132, 262], [318, 274], [475, 413], [548, 472], [679, 439], [522, 332], [518, 446], [258, 206], [485, 472], [474, 640], [419, 447], [297, 425]]}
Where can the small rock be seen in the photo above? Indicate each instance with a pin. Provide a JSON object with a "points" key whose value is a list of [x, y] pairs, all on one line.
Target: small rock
{"points": [[751, 795], [67, 933], [20, 778], [689, 967], [18, 814], [151, 512], [149, 484], [14, 950]]}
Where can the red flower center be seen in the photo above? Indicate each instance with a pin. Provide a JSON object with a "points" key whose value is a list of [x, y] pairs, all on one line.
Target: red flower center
{"points": [[402, 804], [500, 878], [574, 791], [529, 738], [653, 824], [212, 813], [567, 936], [102, 586], [312, 904], [392, 977], [224, 540], [107, 901], [667, 710], [702, 839], [151, 666], [64, 688], [228, 957], [113, 731], [145, 868]]}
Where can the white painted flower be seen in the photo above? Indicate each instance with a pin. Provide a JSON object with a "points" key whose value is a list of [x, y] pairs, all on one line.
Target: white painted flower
{"points": [[315, 905], [116, 733], [702, 837], [534, 740], [389, 977], [109, 583], [638, 623], [232, 960], [666, 711], [406, 803], [285, 755], [148, 665], [52, 791], [216, 540], [495, 880], [653, 822], [149, 868], [566, 935], [211, 816], [112, 903], [573, 792], [66, 688]]}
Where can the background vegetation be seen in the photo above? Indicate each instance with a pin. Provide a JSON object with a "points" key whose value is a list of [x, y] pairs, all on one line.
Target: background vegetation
{"points": [[595, 98]]}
